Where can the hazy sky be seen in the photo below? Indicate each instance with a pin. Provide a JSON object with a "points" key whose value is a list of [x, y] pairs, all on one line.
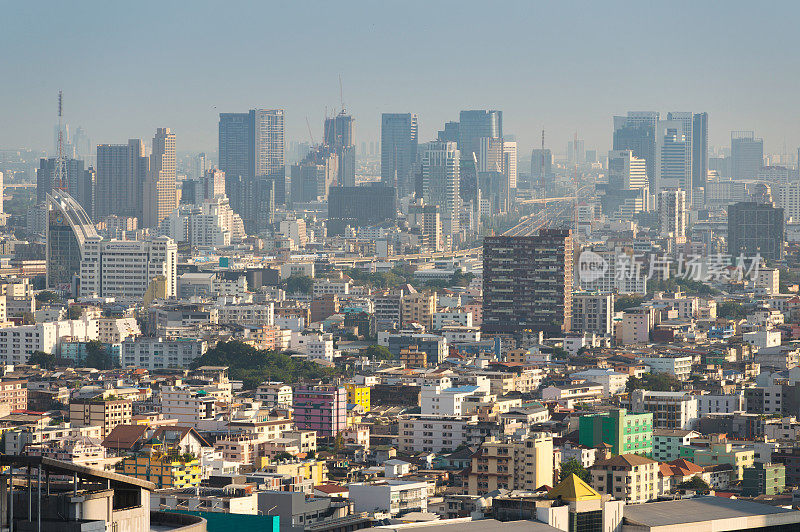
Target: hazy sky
{"points": [[129, 67]]}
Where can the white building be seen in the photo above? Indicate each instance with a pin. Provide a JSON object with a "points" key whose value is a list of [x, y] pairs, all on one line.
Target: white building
{"points": [[391, 496], [672, 214], [438, 401], [455, 316], [124, 269], [187, 404], [612, 381], [296, 230], [418, 433], [158, 353], [715, 404], [115, 330], [17, 343], [679, 366], [315, 345], [763, 339], [247, 313], [212, 223], [671, 410], [274, 394]]}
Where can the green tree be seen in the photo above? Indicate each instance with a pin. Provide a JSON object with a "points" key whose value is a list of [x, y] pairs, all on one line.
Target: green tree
{"points": [[45, 360], [97, 356], [378, 352], [253, 366], [283, 455], [572, 466], [623, 302], [298, 284], [695, 484], [654, 382], [338, 443], [46, 296], [74, 312], [731, 310]]}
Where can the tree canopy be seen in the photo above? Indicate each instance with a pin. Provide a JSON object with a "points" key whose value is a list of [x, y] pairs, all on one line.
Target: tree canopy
{"points": [[572, 466], [253, 366], [731, 310], [655, 382], [97, 356], [298, 284], [378, 352]]}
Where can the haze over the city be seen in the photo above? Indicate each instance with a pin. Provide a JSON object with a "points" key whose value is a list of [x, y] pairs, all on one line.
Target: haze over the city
{"points": [[564, 67]]}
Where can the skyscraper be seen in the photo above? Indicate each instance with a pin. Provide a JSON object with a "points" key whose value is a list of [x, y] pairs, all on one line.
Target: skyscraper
{"points": [[755, 229], [747, 154], [440, 184], [510, 162], [251, 153], [45, 176], [338, 136], [475, 125], [399, 141], [160, 194], [626, 192], [68, 227], [672, 215], [674, 157], [699, 149], [527, 282], [637, 132], [541, 167], [121, 174]]}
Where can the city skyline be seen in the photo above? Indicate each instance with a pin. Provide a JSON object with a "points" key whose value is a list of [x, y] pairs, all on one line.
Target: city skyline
{"points": [[386, 67]]}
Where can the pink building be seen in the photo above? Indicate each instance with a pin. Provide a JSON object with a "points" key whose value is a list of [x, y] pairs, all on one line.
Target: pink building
{"points": [[321, 408]]}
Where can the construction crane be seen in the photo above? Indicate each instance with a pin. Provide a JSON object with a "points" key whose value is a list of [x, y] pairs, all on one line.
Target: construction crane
{"points": [[311, 135], [341, 95]]}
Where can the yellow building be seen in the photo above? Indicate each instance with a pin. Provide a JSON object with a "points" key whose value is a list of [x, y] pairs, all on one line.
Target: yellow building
{"points": [[358, 395], [164, 471], [315, 470]]}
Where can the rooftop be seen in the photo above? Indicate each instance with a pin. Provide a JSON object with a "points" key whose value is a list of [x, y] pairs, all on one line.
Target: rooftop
{"points": [[704, 509]]}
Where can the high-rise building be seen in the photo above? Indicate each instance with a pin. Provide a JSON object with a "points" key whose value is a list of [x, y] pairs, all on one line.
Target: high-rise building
{"points": [[576, 153], [121, 173], [699, 149], [626, 193], [251, 153], [674, 155], [85, 192], [637, 132], [426, 219], [213, 183], [160, 190], [510, 163], [592, 312], [755, 229], [399, 141], [338, 136], [527, 282], [67, 231], [747, 155], [359, 207], [541, 167], [440, 182], [45, 177], [672, 215], [475, 125], [125, 269]]}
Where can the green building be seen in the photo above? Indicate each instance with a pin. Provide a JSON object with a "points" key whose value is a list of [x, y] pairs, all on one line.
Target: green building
{"points": [[625, 433], [763, 479]]}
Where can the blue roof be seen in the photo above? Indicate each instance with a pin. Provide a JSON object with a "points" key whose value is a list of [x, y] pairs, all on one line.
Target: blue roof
{"points": [[462, 389]]}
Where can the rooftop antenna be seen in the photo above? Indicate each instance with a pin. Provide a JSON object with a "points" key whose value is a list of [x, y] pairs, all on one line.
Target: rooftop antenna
{"points": [[541, 169], [60, 181]]}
